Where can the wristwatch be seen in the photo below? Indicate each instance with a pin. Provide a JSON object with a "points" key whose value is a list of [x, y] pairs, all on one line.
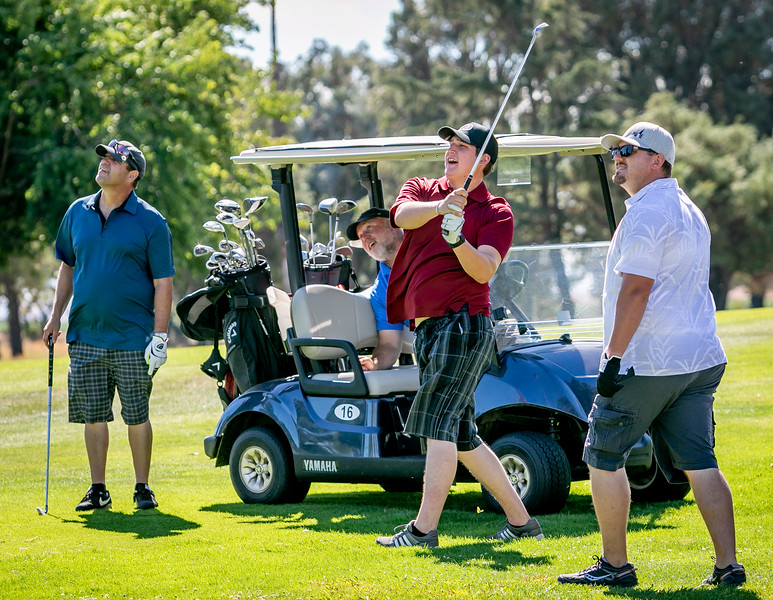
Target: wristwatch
{"points": [[458, 242]]}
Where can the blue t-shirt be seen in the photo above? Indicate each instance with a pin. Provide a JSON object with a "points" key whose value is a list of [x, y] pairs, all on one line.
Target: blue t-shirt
{"points": [[114, 265], [378, 296]]}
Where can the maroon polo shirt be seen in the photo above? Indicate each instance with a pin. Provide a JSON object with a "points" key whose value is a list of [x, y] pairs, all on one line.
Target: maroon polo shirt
{"points": [[427, 279]]}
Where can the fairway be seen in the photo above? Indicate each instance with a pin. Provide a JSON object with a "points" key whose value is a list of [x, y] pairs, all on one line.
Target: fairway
{"points": [[203, 542]]}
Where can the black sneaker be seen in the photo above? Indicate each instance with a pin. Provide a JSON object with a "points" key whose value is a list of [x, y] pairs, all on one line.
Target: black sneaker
{"points": [[144, 497], [732, 574], [95, 500], [602, 573], [511, 532], [404, 536]]}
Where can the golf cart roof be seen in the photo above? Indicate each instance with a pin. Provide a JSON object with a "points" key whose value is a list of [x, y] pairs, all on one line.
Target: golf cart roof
{"points": [[409, 148]]}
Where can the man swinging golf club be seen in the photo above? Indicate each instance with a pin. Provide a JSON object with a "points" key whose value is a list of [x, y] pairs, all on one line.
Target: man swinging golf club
{"points": [[454, 241]]}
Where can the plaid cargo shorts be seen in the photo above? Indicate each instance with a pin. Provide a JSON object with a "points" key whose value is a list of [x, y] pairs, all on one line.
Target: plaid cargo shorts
{"points": [[93, 376], [452, 353]]}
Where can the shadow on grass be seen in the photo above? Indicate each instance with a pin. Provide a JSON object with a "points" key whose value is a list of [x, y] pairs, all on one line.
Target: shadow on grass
{"points": [[365, 512], [143, 524], [700, 593]]}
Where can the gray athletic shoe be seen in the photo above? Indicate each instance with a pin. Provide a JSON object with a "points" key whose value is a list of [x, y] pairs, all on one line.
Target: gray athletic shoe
{"points": [[510, 532], [404, 537]]}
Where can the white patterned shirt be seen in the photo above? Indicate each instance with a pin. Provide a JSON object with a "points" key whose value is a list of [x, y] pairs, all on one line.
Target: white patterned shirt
{"points": [[664, 236]]}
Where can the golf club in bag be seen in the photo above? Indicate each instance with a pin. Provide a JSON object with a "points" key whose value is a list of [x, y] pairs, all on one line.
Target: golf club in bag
{"points": [[44, 511], [537, 29]]}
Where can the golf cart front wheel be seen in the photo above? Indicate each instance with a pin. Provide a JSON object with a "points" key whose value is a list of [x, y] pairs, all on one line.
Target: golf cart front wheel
{"points": [[537, 468], [261, 471]]}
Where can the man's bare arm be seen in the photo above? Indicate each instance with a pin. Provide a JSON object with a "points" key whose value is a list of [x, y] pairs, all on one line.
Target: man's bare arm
{"points": [[631, 303]]}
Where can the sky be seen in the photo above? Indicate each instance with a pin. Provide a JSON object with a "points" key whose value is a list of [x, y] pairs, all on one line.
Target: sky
{"points": [[342, 23]]}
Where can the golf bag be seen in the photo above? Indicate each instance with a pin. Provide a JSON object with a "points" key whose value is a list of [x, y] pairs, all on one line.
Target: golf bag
{"points": [[234, 307], [254, 348], [339, 274]]}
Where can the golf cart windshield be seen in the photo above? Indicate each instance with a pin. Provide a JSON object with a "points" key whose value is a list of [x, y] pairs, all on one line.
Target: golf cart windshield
{"points": [[544, 292]]}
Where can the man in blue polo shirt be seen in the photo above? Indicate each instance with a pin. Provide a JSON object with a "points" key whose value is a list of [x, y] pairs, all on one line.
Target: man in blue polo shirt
{"points": [[117, 266], [373, 233]]}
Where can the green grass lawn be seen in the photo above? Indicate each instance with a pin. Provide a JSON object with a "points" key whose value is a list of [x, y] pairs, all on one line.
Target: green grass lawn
{"points": [[204, 543]]}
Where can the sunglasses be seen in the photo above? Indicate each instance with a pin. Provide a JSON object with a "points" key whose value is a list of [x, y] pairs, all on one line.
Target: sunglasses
{"points": [[124, 153], [627, 150]]}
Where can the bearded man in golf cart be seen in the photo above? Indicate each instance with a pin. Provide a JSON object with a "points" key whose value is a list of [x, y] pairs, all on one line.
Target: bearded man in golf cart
{"points": [[373, 232]]}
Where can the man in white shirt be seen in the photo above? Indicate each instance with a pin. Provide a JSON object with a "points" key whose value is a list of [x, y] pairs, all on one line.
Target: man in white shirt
{"points": [[660, 331]]}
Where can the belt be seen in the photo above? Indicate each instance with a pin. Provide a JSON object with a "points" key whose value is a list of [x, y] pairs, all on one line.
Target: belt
{"points": [[419, 320]]}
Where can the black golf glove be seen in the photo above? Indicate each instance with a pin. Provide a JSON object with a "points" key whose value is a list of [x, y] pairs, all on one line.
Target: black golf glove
{"points": [[606, 384]]}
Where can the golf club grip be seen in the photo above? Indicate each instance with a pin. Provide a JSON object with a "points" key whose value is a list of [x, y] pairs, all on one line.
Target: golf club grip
{"points": [[50, 360]]}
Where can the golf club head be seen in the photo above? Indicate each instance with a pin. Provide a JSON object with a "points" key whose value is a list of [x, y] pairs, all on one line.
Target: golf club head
{"points": [[304, 243], [304, 208], [344, 206], [344, 251], [540, 27], [256, 241], [318, 248], [41, 511], [328, 206], [202, 249], [228, 205], [227, 246], [214, 226], [254, 204]]}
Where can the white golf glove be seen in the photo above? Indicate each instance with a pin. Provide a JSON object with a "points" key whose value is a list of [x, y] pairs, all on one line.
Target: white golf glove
{"points": [[155, 353], [451, 229]]}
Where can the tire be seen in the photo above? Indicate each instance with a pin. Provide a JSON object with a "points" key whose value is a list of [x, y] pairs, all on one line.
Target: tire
{"points": [[261, 471], [651, 485], [402, 486], [538, 469]]}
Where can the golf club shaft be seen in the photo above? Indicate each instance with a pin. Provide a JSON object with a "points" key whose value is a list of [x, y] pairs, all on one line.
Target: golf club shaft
{"points": [[537, 29], [48, 434]]}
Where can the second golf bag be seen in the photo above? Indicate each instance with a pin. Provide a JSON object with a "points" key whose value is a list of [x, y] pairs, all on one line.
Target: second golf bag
{"points": [[254, 348]]}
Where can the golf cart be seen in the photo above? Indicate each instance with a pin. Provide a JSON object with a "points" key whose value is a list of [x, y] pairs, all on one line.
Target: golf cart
{"points": [[317, 416]]}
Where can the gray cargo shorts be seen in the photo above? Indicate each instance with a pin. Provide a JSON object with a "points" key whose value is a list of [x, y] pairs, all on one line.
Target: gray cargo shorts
{"points": [[677, 410]]}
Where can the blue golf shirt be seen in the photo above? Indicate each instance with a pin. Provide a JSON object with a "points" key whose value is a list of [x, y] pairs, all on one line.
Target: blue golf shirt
{"points": [[114, 264], [378, 298]]}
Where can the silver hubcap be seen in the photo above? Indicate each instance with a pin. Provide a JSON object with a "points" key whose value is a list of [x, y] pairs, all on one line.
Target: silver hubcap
{"points": [[255, 469], [517, 472]]}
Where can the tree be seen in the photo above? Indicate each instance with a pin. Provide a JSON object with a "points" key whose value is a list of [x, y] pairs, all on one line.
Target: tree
{"points": [[156, 74], [725, 171]]}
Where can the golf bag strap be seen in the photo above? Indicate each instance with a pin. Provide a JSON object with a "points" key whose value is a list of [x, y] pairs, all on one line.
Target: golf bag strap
{"points": [[250, 301]]}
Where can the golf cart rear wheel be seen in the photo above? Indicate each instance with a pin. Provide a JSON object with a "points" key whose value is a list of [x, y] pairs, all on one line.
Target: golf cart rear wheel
{"points": [[537, 468], [651, 485], [261, 471]]}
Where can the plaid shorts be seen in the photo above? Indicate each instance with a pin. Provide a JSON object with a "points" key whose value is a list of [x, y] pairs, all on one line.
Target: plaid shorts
{"points": [[452, 353], [92, 379]]}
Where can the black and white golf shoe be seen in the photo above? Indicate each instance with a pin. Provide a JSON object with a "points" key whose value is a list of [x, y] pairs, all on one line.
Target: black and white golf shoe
{"points": [[95, 500], [602, 573]]}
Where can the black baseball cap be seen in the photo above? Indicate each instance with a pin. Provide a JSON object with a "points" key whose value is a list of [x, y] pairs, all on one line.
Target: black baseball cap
{"points": [[475, 134], [124, 152], [371, 213]]}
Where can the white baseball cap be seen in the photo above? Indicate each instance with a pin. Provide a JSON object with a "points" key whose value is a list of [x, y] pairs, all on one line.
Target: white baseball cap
{"points": [[644, 135]]}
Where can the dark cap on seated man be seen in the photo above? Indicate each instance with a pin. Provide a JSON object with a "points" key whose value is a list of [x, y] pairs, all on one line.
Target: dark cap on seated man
{"points": [[124, 152], [474, 134], [371, 213]]}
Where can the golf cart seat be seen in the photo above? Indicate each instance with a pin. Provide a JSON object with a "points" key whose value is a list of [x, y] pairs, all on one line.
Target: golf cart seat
{"points": [[329, 324]]}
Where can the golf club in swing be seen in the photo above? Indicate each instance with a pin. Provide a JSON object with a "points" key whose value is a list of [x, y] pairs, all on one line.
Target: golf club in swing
{"points": [[537, 29], [44, 511]]}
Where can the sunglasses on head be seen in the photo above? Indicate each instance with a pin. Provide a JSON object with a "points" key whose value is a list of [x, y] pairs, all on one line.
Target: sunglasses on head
{"points": [[627, 150], [123, 152]]}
